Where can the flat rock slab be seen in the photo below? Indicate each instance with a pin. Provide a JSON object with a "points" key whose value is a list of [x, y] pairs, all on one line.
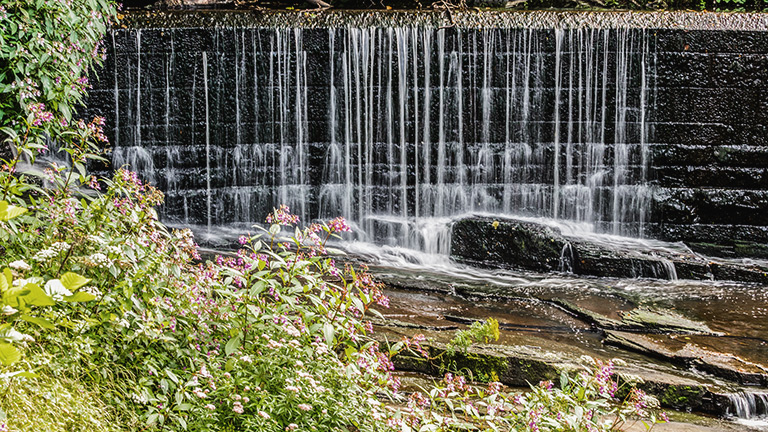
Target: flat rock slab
{"points": [[639, 319], [724, 365]]}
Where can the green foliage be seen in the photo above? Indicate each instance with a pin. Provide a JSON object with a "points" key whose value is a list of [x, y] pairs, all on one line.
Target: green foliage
{"points": [[43, 402], [46, 50], [484, 332]]}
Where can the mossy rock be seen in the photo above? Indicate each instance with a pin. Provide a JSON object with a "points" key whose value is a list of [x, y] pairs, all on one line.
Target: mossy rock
{"points": [[663, 321], [682, 397]]}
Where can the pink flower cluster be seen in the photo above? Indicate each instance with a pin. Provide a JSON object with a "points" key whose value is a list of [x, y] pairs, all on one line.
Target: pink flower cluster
{"points": [[283, 216], [414, 343], [339, 224], [603, 378], [41, 115], [94, 128]]}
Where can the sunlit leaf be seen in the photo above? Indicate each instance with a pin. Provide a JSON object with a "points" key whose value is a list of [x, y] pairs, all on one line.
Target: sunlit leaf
{"points": [[80, 297], [8, 211], [232, 345], [42, 322], [36, 296], [329, 332], [8, 354], [73, 281]]}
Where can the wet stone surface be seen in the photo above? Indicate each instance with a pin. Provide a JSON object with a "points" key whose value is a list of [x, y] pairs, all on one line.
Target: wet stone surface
{"points": [[535, 245], [695, 344]]}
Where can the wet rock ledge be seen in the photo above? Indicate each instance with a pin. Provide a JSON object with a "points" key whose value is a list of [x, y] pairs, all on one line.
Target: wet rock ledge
{"points": [[527, 245], [313, 18]]}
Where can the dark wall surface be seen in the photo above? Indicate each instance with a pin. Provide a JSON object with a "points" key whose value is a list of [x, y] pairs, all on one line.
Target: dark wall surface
{"points": [[691, 116], [710, 152]]}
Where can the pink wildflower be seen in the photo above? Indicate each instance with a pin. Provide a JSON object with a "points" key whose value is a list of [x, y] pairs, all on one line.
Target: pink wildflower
{"points": [[237, 407], [283, 216], [339, 224]]}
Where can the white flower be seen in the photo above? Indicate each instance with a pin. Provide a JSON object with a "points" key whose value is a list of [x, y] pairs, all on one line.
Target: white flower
{"points": [[13, 335], [140, 398], [60, 246], [90, 289], [19, 282], [7, 310], [199, 393], [19, 265], [56, 289], [291, 330], [98, 260], [44, 255]]}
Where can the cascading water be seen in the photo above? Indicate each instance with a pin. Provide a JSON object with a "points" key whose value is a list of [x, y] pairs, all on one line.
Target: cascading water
{"points": [[393, 127], [749, 406]]}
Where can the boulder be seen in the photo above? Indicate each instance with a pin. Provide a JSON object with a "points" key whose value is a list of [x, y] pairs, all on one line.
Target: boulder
{"points": [[526, 245]]}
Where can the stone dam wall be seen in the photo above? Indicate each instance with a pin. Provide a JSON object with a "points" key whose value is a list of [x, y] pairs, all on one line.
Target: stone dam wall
{"points": [[642, 124]]}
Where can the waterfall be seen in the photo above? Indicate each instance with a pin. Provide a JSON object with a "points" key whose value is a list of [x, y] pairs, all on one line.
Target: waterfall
{"points": [[391, 127], [749, 405]]}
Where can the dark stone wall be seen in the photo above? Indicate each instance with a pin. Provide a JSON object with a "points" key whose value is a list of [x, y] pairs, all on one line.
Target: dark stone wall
{"points": [[706, 119], [710, 137]]}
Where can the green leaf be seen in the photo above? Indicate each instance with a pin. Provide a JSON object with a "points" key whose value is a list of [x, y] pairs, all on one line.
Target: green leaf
{"points": [[229, 365], [12, 294], [395, 348], [172, 376], [22, 374], [8, 212], [328, 332], [80, 297], [8, 276], [36, 296], [4, 285], [232, 345], [73, 281], [80, 169], [8, 354], [44, 323], [64, 108]]}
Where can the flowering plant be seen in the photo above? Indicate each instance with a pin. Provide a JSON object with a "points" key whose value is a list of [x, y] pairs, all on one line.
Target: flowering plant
{"points": [[584, 402]]}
